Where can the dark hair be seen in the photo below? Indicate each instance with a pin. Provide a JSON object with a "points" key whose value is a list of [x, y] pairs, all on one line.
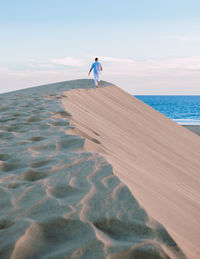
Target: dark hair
{"points": [[96, 59]]}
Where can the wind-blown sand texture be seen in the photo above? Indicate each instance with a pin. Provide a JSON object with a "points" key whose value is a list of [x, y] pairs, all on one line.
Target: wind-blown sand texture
{"points": [[59, 200], [155, 157]]}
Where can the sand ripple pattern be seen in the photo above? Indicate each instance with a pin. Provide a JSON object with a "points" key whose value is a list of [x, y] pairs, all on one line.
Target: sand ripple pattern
{"points": [[59, 201]]}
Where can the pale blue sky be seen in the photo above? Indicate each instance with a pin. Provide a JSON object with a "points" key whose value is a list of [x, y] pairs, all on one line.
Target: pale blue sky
{"points": [[146, 46]]}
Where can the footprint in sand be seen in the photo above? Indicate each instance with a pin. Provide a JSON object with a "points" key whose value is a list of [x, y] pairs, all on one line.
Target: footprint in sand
{"points": [[40, 163], [4, 157], [37, 138], [48, 147], [60, 123], [62, 114], [9, 166], [33, 175], [122, 231], [62, 191], [6, 223], [33, 119], [69, 142]]}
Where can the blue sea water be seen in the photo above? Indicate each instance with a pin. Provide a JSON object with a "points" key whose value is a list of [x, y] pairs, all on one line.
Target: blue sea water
{"points": [[185, 110]]}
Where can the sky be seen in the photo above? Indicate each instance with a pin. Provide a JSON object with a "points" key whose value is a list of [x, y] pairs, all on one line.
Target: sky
{"points": [[145, 46]]}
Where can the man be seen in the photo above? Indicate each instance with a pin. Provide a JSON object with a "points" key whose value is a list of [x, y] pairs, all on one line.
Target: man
{"points": [[96, 66]]}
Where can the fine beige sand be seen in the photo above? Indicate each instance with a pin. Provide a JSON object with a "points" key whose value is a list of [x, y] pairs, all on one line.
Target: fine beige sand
{"points": [[59, 200], [193, 128], [156, 158]]}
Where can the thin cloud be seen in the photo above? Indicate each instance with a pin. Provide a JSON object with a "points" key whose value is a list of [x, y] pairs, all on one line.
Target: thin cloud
{"points": [[116, 60], [7, 72], [46, 66], [151, 66], [183, 38], [68, 61]]}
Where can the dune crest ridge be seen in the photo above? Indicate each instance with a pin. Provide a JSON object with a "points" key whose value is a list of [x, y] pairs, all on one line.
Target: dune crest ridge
{"points": [[156, 158]]}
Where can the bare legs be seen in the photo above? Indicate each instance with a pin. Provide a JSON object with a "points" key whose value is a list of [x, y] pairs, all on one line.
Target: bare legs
{"points": [[98, 84]]}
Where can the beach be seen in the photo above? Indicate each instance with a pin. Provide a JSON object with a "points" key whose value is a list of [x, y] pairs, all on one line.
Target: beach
{"points": [[95, 173]]}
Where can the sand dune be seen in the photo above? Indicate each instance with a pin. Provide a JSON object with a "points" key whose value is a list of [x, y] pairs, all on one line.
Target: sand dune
{"points": [[193, 128], [58, 200], [156, 158]]}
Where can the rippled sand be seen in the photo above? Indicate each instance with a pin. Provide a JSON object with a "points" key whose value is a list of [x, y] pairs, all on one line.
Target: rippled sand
{"points": [[58, 200]]}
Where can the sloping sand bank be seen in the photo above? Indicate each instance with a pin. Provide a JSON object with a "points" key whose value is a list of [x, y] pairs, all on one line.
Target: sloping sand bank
{"points": [[193, 128], [156, 158], [58, 200]]}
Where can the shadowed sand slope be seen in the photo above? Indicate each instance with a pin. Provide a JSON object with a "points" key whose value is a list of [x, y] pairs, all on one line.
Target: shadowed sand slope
{"points": [[193, 128], [58, 200], [156, 158]]}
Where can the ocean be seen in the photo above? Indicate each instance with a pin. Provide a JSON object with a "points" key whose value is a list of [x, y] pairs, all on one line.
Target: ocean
{"points": [[183, 109]]}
